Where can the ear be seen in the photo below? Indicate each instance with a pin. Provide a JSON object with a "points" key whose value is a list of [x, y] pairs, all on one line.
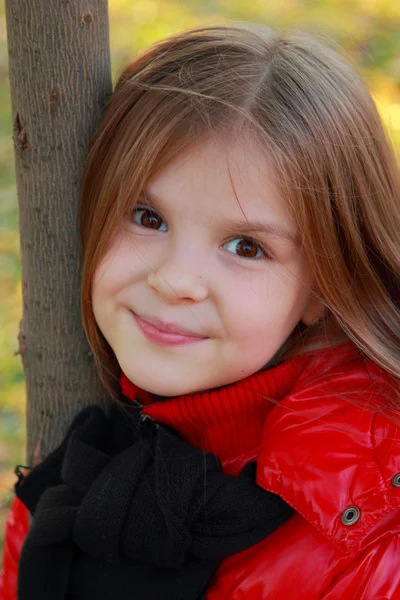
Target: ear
{"points": [[314, 311]]}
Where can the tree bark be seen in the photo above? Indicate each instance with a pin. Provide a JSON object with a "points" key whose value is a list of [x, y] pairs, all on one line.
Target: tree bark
{"points": [[60, 78]]}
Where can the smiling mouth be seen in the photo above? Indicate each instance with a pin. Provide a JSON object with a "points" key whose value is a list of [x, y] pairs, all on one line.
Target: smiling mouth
{"points": [[166, 336], [169, 327]]}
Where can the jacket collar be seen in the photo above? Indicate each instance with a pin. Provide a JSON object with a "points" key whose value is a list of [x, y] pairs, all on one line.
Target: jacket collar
{"points": [[332, 452]]}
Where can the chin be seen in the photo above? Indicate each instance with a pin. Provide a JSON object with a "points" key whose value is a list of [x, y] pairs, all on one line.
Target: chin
{"points": [[153, 385], [169, 389]]}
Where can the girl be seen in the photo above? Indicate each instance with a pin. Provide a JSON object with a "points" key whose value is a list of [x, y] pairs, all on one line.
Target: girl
{"points": [[240, 224]]}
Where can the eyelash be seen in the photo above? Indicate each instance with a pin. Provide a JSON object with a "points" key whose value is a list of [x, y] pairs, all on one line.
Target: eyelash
{"points": [[248, 239]]}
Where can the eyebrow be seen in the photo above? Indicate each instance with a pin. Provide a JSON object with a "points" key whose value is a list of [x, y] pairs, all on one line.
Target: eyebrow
{"points": [[264, 227], [243, 227]]}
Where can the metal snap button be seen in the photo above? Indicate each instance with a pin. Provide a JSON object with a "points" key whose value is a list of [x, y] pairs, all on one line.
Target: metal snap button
{"points": [[396, 480], [148, 422], [350, 515]]}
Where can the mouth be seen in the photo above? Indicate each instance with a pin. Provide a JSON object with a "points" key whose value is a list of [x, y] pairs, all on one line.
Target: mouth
{"points": [[166, 333]]}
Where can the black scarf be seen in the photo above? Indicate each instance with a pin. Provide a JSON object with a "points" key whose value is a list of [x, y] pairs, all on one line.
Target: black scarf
{"points": [[124, 509]]}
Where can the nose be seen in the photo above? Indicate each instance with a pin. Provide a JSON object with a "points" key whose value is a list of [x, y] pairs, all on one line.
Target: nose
{"points": [[175, 284]]}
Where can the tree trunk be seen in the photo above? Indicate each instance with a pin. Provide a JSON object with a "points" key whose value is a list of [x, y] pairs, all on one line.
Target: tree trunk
{"points": [[60, 78]]}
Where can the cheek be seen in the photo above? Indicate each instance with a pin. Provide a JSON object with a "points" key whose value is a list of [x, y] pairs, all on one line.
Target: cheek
{"points": [[268, 303], [116, 271]]}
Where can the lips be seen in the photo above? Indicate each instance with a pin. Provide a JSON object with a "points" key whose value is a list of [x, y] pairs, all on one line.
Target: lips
{"points": [[168, 327]]}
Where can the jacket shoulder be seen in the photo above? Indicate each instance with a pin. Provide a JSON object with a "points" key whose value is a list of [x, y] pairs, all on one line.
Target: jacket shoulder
{"points": [[331, 449]]}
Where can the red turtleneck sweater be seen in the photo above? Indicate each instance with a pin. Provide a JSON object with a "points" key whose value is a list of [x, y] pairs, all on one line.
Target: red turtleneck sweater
{"points": [[227, 421]]}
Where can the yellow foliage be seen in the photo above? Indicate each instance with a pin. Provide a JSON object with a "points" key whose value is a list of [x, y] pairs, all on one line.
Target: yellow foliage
{"points": [[13, 398]]}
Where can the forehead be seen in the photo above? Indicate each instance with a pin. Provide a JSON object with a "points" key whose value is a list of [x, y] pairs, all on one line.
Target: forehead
{"points": [[223, 181]]}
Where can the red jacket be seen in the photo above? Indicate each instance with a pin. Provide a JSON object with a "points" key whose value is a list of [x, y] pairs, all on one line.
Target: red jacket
{"points": [[325, 445]]}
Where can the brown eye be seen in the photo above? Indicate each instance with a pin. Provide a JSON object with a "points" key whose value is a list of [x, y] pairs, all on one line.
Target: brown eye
{"points": [[148, 218], [246, 248]]}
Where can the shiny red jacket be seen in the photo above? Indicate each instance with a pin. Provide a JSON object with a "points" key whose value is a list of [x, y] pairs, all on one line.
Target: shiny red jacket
{"points": [[327, 446]]}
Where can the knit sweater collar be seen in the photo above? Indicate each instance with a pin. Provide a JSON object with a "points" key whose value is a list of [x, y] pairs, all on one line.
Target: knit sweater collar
{"points": [[228, 420]]}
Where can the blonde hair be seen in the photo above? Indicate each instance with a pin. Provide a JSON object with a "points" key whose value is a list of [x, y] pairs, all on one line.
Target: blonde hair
{"points": [[304, 103]]}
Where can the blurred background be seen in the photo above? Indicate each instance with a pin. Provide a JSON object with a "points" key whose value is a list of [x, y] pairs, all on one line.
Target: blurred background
{"points": [[368, 29]]}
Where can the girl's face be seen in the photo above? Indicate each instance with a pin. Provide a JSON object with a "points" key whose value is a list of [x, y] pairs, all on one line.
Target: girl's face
{"points": [[191, 256]]}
